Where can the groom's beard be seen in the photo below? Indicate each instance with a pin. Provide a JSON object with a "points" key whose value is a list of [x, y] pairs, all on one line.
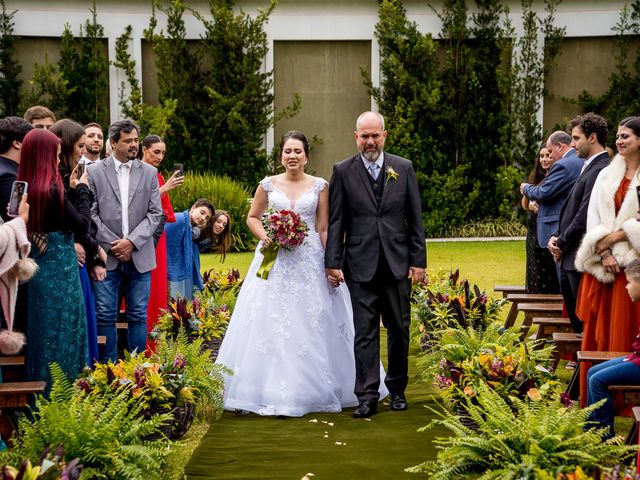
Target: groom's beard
{"points": [[372, 156]]}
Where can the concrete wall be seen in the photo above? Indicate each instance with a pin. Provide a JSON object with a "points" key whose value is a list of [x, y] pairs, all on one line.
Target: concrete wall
{"points": [[327, 77]]}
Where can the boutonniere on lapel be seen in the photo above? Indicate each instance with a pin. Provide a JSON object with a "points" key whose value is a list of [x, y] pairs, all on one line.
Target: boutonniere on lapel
{"points": [[391, 175]]}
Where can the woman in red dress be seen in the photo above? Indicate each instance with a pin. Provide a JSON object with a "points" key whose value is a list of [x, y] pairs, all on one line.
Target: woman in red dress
{"points": [[611, 242], [153, 151]]}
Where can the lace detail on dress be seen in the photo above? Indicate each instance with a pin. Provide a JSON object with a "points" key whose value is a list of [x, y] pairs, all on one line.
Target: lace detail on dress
{"points": [[267, 184]]}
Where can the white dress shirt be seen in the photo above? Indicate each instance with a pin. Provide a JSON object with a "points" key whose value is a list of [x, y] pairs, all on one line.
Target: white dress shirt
{"points": [[122, 172]]}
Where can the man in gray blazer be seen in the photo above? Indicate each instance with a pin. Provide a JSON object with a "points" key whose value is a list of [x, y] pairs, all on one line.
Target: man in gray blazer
{"points": [[126, 211]]}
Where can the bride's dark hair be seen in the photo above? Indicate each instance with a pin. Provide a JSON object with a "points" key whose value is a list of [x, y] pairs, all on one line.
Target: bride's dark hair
{"points": [[294, 134]]}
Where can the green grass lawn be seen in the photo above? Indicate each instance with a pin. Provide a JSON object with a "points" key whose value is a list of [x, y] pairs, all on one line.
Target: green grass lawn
{"points": [[483, 263]]}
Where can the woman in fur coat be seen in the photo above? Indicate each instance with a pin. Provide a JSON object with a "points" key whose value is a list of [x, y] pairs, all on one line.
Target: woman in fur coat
{"points": [[611, 242]]}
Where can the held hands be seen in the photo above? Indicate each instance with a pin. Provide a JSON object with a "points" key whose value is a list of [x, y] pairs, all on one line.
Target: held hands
{"points": [[334, 276], [533, 206], [122, 249]]}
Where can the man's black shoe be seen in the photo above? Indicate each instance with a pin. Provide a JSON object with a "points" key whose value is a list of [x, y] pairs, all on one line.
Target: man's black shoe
{"points": [[365, 410], [398, 402]]}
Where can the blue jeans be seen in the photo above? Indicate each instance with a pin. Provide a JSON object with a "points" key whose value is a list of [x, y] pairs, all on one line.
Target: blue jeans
{"points": [[136, 287], [599, 377]]}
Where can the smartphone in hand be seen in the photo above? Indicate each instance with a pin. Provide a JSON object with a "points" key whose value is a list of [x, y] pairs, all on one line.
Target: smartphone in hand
{"points": [[18, 189], [80, 169], [179, 168]]}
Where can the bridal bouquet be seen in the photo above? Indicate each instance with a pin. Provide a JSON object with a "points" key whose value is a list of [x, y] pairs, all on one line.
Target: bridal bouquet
{"points": [[286, 230]]}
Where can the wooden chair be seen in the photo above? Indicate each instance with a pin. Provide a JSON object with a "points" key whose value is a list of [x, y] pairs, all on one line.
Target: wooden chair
{"points": [[518, 298], [573, 387]]}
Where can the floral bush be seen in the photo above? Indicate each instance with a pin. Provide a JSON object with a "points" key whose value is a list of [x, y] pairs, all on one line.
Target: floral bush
{"points": [[520, 439], [508, 372], [147, 381], [200, 318], [446, 302]]}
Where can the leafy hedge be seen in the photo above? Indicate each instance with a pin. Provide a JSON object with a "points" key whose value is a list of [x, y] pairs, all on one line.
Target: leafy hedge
{"points": [[225, 194]]}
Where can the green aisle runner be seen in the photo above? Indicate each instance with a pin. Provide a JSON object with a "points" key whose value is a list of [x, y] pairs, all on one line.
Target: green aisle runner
{"points": [[253, 447]]}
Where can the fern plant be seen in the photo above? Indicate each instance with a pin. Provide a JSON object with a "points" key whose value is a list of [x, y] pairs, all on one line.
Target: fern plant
{"points": [[202, 374], [517, 439], [104, 432]]}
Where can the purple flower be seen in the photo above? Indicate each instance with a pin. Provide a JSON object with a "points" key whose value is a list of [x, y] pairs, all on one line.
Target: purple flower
{"points": [[139, 377], [565, 399], [179, 362], [83, 384]]}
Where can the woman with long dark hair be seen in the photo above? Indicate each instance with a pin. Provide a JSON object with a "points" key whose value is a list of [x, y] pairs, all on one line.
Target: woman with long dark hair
{"points": [[88, 252], [57, 322]]}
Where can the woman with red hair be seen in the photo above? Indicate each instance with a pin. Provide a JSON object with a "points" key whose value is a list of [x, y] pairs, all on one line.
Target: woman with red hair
{"points": [[57, 323]]}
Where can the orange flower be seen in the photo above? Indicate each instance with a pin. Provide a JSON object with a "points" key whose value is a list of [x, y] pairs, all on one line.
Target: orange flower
{"points": [[468, 391], [534, 394]]}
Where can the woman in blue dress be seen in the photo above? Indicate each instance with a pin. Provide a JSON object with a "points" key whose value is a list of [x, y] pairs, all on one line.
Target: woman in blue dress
{"points": [[57, 323]]}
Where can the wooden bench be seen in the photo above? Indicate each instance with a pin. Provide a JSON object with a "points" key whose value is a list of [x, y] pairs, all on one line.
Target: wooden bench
{"points": [[517, 298], [593, 357], [565, 342], [532, 310], [12, 368], [549, 325], [507, 289], [631, 393], [16, 394]]}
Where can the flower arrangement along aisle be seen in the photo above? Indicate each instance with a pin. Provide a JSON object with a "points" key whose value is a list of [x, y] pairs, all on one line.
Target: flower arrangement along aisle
{"points": [[443, 303], [178, 376], [287, 230], [221, 288], [521, 439], [200, 318], [104, 431], [467, 358]]}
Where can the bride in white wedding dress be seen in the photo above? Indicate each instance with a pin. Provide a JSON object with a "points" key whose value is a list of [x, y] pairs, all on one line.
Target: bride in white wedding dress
{"points": [[290, 339]]}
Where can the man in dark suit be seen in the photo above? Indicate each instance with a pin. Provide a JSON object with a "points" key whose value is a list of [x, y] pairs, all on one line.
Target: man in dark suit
{"points": [[554, 190], [589, 135], [126, 211], [376, 243]]}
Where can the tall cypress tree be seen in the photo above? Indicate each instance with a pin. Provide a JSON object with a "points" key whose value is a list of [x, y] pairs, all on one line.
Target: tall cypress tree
{"points": [[10, 68]]}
